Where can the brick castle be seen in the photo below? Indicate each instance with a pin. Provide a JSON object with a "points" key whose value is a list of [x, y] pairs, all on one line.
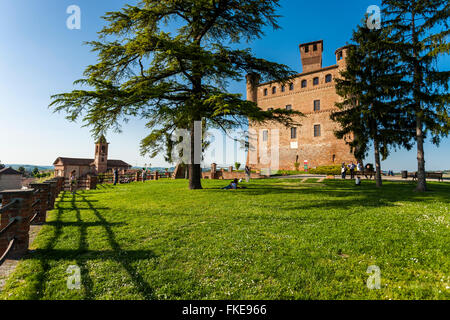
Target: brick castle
{"points": [[311, 92]]}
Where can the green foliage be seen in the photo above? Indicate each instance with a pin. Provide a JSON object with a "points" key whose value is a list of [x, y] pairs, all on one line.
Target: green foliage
{"points": [[282, 240], [297, 165], [21, 170], [35, 172], [237, 165], [328, 170], [419, 31], [173, 79]]}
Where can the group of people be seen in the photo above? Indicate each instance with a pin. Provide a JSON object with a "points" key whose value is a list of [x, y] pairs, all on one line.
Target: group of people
{"points": [[351, 167]]}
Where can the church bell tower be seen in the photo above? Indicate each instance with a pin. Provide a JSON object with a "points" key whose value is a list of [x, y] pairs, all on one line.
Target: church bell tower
{"points": [[101, 155]]}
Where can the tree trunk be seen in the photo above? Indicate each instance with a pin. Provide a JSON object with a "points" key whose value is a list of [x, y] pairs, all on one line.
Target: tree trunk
{"points": [[418, 76], [421, 178], [195, 170], [378, 179]]}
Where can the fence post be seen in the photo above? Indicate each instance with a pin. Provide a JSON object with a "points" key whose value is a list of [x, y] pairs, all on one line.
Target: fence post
{"points": [[21, 212], [42, 195], [157, 175], [51, 194]]}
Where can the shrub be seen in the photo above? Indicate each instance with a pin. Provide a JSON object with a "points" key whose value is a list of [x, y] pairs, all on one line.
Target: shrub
{"points": [[328, 170], [297, 165]]}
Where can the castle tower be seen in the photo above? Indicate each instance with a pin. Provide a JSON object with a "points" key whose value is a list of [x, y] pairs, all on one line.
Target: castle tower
{"points": [[101, 155], [252, 86], [311, 55], [341, 57]]}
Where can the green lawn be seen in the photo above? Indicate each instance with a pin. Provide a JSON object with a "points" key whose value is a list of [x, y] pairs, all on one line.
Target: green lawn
{"points": [[278, 239]]}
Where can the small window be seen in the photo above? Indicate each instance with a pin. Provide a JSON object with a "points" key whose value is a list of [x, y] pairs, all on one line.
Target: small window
{"points": [[288, 107], [103, 149], [304, 84], [291, 86], [265, 92], [270, 109], [283, 88], [103, 159], [293, 133], [340, 55], [316, 81], [315, 47], [316, 105], [265, 135], [306, 49], [317, 130], [328, 78], [274, 90]]}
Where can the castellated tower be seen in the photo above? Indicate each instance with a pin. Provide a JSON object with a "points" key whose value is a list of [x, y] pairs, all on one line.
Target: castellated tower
{"points": [[311, 55], [101, 155]]}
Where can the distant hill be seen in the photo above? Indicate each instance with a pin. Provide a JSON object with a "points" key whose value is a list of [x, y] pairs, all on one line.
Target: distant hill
{"points": [[28, 167]]}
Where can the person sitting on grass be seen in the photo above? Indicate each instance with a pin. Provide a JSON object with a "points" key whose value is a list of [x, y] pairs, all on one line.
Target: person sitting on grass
{"points": [[233, 185]]}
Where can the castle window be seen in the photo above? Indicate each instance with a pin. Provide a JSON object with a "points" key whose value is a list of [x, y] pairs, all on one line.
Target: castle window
{"points": [[103, 149], [340, 55], [316, 81], [274, 90], [306, 49], [288, 107], [304, 83], [334, 158], [328, 78], [317, 130], [265, 92], [291, 86], [283, 88], [270, 109], [316, 105], [315, 47], [293, 133], [265, 135], [103, 159]]}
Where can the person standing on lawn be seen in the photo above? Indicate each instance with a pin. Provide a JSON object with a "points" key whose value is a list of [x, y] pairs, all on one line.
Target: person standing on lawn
{"points": [[247, 174], [352, 167], [343, 170], [116, 176], [144, 175], [73, 182]]}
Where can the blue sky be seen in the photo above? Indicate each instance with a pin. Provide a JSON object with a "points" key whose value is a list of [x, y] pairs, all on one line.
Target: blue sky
{"points": [[39, 57]]}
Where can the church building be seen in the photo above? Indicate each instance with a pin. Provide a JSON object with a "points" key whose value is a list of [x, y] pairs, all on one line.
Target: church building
{"points": [[311, 92], [100, 164]]}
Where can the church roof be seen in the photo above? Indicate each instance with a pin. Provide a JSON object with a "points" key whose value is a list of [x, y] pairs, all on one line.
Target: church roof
{"points": [[9, 171], [89, 162], [74, 161], [118, 163]]}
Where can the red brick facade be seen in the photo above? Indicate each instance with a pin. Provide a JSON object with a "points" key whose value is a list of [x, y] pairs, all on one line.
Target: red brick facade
{"points": [[313, 93]]}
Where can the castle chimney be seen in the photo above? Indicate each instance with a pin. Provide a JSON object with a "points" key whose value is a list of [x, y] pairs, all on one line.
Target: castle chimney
{"points": [[311, 55]]}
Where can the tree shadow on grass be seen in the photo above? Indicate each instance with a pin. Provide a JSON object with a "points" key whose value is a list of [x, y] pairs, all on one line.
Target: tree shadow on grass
{"points": [[82, 255], [341, 194]]}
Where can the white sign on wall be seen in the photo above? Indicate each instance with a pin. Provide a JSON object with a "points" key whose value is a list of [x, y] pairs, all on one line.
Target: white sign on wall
{"points": [[294, 145]]}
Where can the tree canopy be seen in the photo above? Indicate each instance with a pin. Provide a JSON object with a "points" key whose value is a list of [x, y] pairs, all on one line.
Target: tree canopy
{"points": [[173, 78]]}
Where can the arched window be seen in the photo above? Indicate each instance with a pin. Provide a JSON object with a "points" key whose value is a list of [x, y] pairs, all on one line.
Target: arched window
{"points": [[274, 90], [304, 83], [328, 78], [316, 81], [283, 88], [265, 92], [291, 86]]}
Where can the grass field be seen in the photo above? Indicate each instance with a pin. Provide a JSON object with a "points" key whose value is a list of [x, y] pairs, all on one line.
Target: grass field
{"points": [[278, 239]]}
